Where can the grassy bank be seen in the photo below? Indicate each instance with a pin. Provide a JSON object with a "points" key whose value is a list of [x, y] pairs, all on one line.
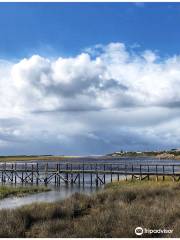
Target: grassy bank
{"points": [[167, 155], [32, 158], [113, 212], [8, 191]]}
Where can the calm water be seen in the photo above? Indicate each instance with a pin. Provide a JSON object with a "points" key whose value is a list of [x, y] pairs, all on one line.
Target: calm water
{"points": [[55, 194], [63, 191], [125, 160]]}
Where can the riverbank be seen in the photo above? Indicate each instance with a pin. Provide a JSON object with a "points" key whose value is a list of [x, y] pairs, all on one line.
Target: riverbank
{"points": [[33, 158], [113, 212], [163, 155], [9, 191]]}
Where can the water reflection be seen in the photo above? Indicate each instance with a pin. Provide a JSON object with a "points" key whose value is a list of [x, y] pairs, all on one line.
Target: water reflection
{"points": [[57, 193], [63, 191]]}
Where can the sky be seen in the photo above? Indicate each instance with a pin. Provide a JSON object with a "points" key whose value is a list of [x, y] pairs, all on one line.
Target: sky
{"points": [[89, 78]]}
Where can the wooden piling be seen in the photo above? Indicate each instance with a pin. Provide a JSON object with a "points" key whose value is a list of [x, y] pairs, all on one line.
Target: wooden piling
{"points": [[163, 173], [118, 173], [83, 174], [5, 173], [67, 175], [32, 173], [71, 175], [91, 175], [111, 172], [46, 174], [59, 179], [79, 176], [96, 176], [104, 176], [25, 175], [25, 171], [125, 171], [37, 173], [156, 173], [132, 170], [15, 177], [2, 175], [12, 173], [140, 172], [55, 176]]}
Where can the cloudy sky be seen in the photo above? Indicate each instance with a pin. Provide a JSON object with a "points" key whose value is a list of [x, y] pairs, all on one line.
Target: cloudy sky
{"points": [[89, 78]]}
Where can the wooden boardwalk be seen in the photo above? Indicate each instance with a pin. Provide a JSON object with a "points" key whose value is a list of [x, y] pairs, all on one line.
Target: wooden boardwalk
{"points": [[83, 173]]}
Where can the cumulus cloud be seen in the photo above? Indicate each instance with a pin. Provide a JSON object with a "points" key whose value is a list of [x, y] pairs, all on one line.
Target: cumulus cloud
{"points": [[113, 78], [107, 97]]}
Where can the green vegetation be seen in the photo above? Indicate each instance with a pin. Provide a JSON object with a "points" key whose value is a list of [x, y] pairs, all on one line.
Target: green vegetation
{"points": [[172, 154], [33, 157], [113, 212], [157, 154], [7, 191]]}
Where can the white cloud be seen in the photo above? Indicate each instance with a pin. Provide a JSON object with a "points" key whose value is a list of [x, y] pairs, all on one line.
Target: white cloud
{"points": [[106, 91], [115, 77]]}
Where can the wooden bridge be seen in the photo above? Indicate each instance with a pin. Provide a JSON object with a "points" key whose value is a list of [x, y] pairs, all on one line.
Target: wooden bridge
{"points": [[83, 173]]}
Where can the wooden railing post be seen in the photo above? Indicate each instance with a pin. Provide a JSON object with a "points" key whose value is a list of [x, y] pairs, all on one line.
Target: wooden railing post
{"points": [[96, 175], [111, 172], [83, 173], [37, 174], [140, 173], [71, 175], [67, 175], [163, 173], [12, 173], [46, 174], [15, 173], [79, 176], [104, 174], [5, 172], [148, 173], [118, 173], [56, 174], [22, 175], [2, 174], [132, 171], [32, 174], [156, 173], [126, 172], [59, 172], [91, 175]]}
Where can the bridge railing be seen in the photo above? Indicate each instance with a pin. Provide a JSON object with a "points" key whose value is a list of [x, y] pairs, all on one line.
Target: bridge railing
{"points": [[111, 167]]}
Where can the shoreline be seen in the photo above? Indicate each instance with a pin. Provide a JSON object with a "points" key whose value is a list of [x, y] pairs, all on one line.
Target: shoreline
{"points": [[103, 158], [112, 212], [7, 191]]}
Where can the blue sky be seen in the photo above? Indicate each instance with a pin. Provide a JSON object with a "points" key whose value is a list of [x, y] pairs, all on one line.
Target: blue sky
{"points": [[89, 78], [66, 28]]}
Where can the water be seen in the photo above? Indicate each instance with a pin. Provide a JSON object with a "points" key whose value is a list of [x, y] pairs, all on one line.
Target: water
{"points": [[55, 194], [61, 192], [123, 160]]}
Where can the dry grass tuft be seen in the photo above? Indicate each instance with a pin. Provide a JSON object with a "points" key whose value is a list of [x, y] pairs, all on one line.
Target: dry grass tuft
{"points": [[113, 212]]}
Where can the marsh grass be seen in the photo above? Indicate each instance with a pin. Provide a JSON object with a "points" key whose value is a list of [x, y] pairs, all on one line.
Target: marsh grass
{"points": [[113, 212], [8, 191]]}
